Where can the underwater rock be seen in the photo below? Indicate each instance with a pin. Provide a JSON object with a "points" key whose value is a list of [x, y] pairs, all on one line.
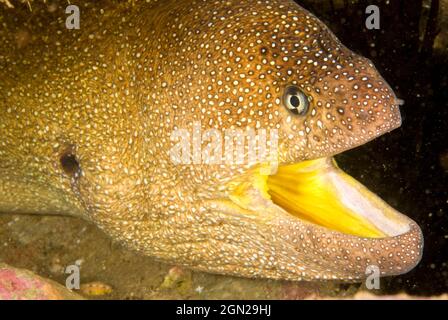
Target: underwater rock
{"points": [[96, 288], [21, 284], [364, 295], [177, 279]]}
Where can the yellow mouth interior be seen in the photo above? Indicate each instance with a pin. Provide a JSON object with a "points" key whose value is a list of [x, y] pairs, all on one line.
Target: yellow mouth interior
{"points": [[307, 191], [319, 192]]}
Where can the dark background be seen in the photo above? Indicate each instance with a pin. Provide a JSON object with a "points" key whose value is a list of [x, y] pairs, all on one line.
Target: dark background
{"points": [[408, 167]]}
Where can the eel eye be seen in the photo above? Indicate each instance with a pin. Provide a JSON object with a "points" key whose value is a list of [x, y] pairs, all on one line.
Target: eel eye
{"points": [[295, 100]]}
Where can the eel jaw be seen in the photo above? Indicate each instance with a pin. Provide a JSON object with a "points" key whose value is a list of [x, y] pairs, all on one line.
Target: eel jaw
{"points": [[334, 224]]}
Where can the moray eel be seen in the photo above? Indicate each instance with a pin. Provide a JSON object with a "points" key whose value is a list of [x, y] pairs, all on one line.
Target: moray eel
{"points": [[87, 118]]}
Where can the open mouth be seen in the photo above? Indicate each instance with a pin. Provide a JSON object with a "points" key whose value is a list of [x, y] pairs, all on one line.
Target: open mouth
{"points": [[319, 192]]}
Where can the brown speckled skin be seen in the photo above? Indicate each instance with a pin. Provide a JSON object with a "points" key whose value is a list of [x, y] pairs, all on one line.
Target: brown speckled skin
{"points": [[112, 92]]}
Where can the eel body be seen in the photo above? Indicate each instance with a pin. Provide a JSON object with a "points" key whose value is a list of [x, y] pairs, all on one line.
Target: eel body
{"points": [[87, 119]]}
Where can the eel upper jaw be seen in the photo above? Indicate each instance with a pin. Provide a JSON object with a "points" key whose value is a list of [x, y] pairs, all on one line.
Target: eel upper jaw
{"points": [[320, 200], [357, 137]]}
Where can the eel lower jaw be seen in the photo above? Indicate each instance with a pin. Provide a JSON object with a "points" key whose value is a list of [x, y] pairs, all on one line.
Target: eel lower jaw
{"points": [[319, 200]]}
